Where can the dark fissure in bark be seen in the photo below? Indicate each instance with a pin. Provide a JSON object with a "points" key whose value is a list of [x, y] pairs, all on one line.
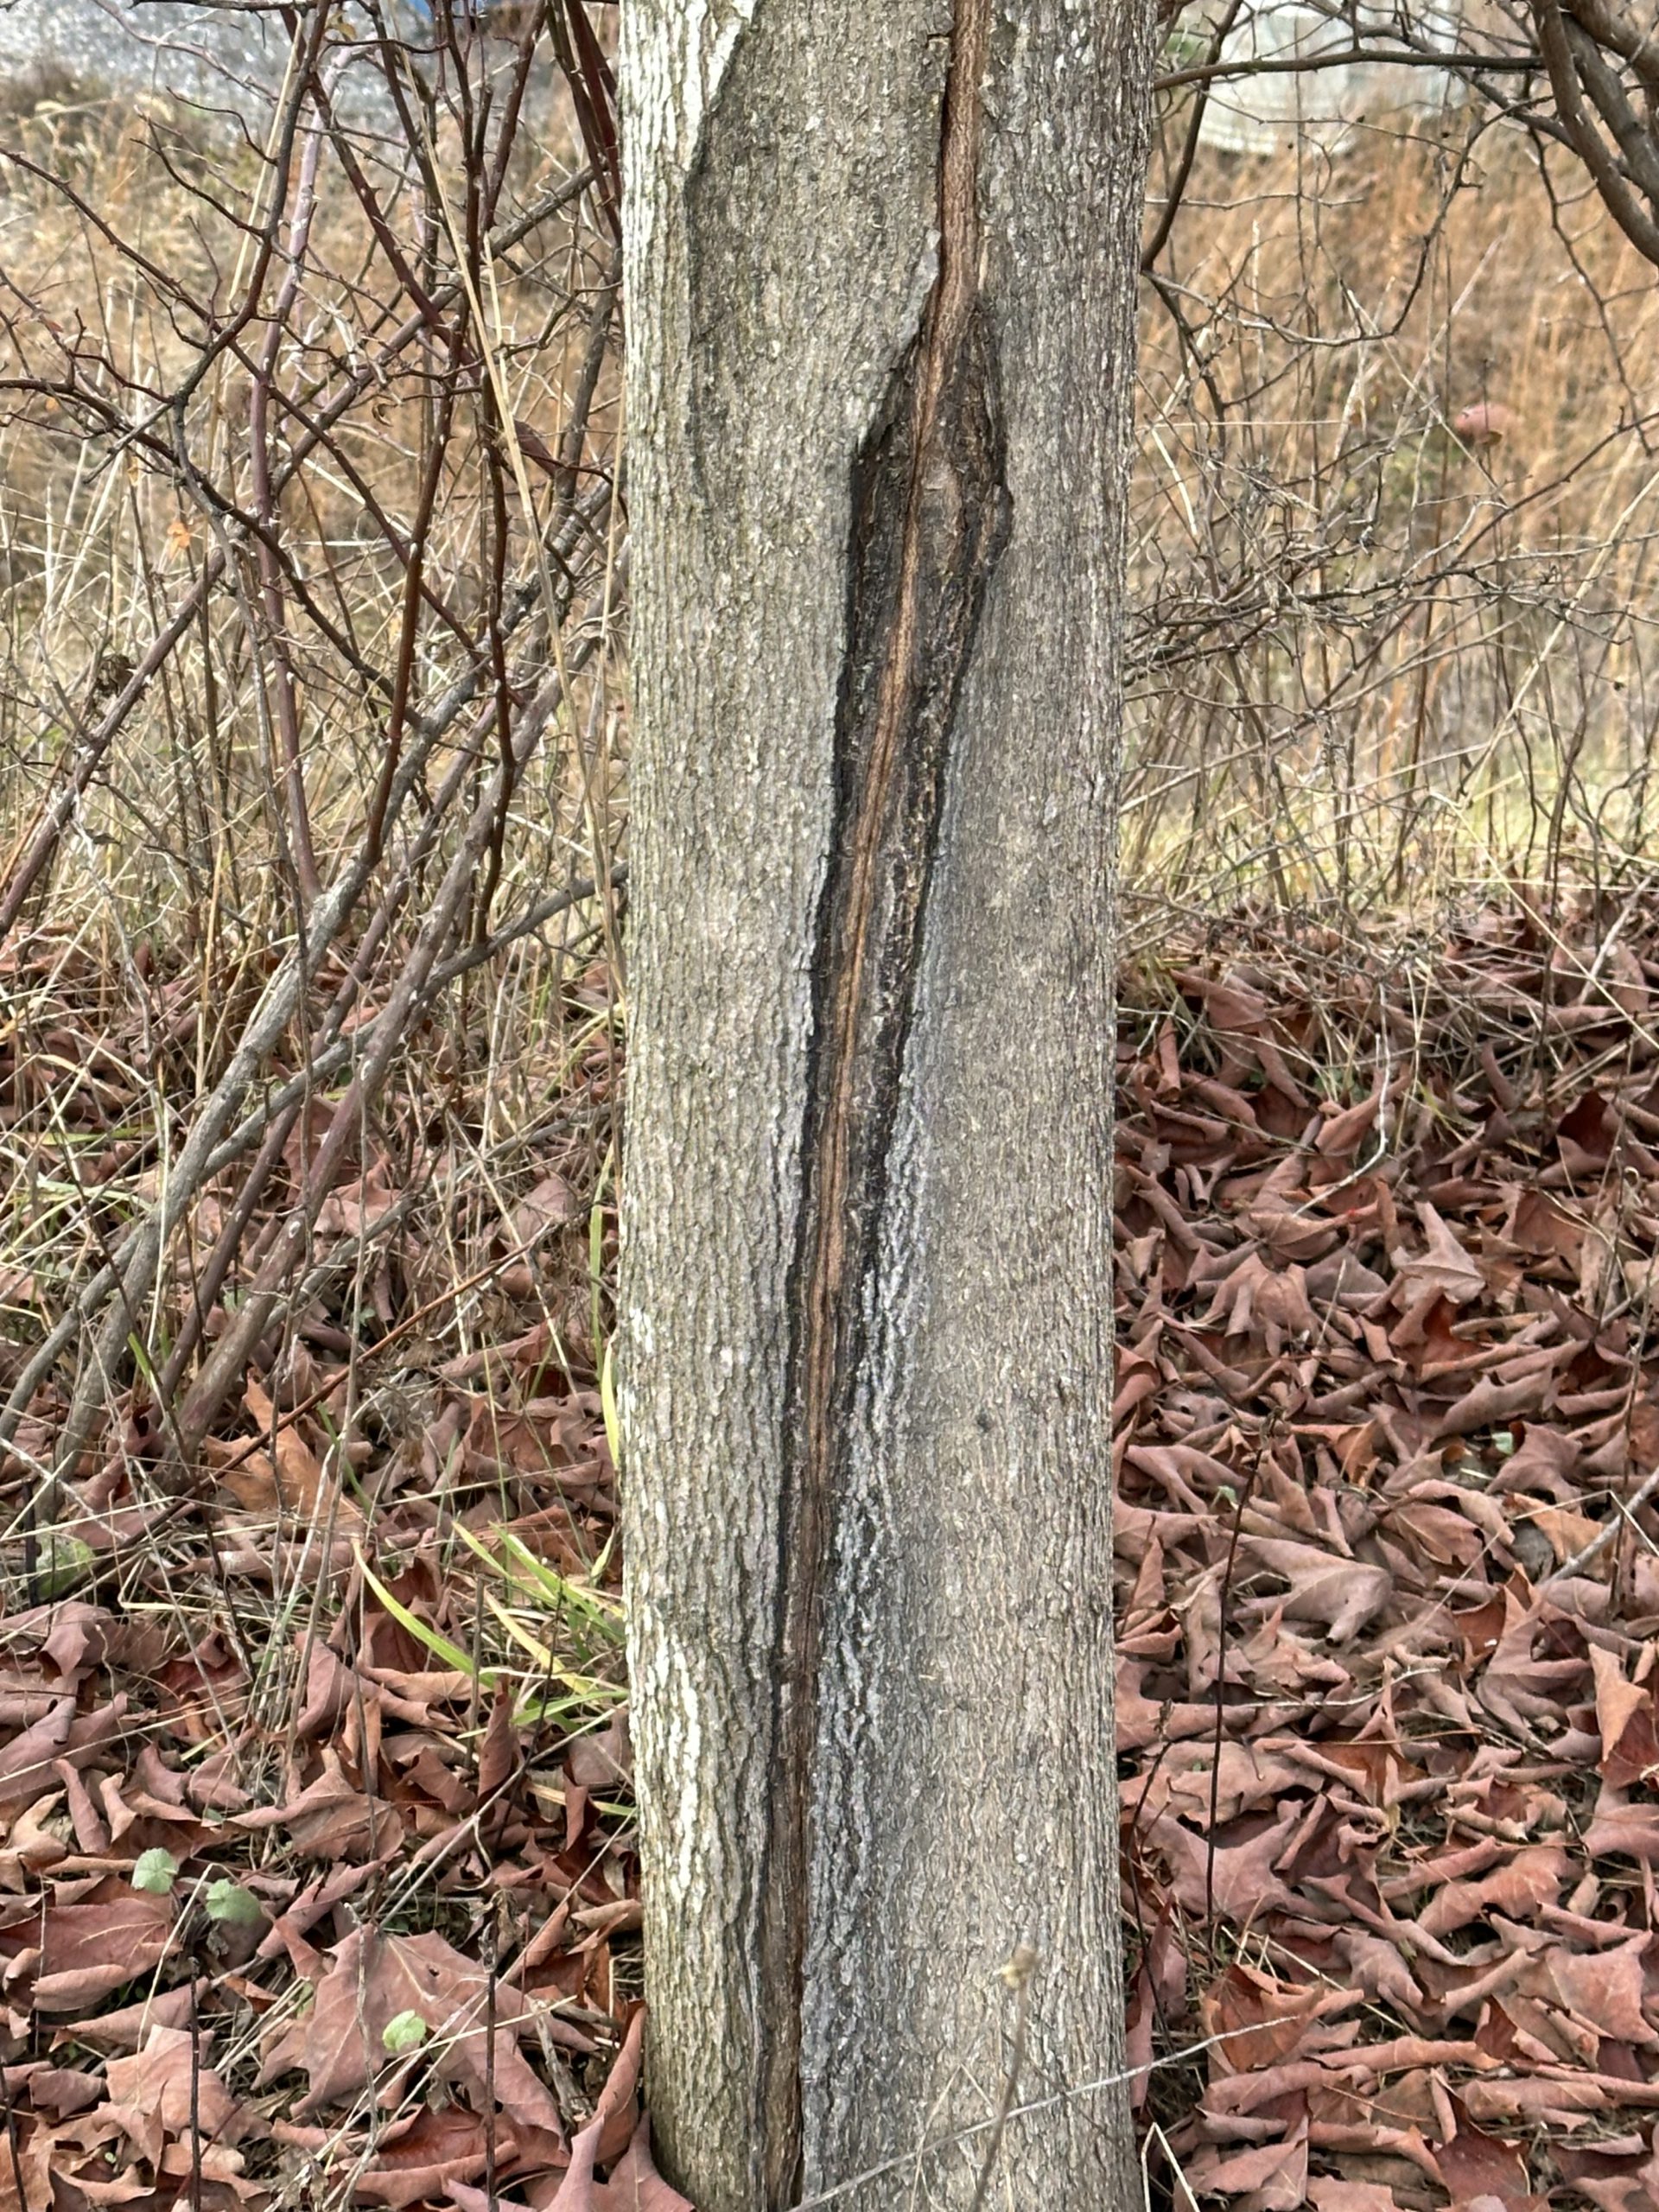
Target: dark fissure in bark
{"points": [[929, 516]]}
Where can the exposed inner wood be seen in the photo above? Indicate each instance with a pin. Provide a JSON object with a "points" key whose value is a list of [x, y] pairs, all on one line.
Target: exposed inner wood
{"points": [[930, 518]]}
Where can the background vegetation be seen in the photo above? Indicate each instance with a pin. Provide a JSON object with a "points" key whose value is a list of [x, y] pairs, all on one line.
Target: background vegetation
{"points": [[312, 878]]}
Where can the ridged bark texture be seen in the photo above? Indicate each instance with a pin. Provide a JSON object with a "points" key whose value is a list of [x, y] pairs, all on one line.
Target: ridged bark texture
{"points": [[881, 271]]}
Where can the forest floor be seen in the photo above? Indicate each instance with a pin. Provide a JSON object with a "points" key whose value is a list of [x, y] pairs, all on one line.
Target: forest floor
{"points": [[316, 1871], [1386, 1430]]}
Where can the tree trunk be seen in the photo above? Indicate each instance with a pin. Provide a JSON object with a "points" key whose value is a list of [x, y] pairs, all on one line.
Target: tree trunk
{"points": [[881, 314]]}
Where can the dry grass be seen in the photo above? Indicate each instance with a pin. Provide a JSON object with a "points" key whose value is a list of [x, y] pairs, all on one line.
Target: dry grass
{"points": [[101, 536], [176, 889], [1378, 662]]}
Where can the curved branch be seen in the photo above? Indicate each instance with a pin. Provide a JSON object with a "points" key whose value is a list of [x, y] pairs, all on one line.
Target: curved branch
{"points": [[1621, 203]]}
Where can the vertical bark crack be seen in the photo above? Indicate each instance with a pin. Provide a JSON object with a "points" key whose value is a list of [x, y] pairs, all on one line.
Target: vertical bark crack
{"points": [[930, 518]]}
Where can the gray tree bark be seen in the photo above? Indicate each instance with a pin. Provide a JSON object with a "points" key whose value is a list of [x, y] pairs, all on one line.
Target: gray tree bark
{"points": [[880, 279]]}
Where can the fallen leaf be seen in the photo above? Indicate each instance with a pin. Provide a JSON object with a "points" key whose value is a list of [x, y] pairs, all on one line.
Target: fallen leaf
{"points": [[425, 2156], [90, 1949], [373, 1979], [154, 2092], [1442, 1268], [332, 1819]]}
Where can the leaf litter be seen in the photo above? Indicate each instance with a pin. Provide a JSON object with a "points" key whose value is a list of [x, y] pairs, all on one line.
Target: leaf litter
{"points": [[317, 1882], [1385, 1436], [317, 1875]]}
